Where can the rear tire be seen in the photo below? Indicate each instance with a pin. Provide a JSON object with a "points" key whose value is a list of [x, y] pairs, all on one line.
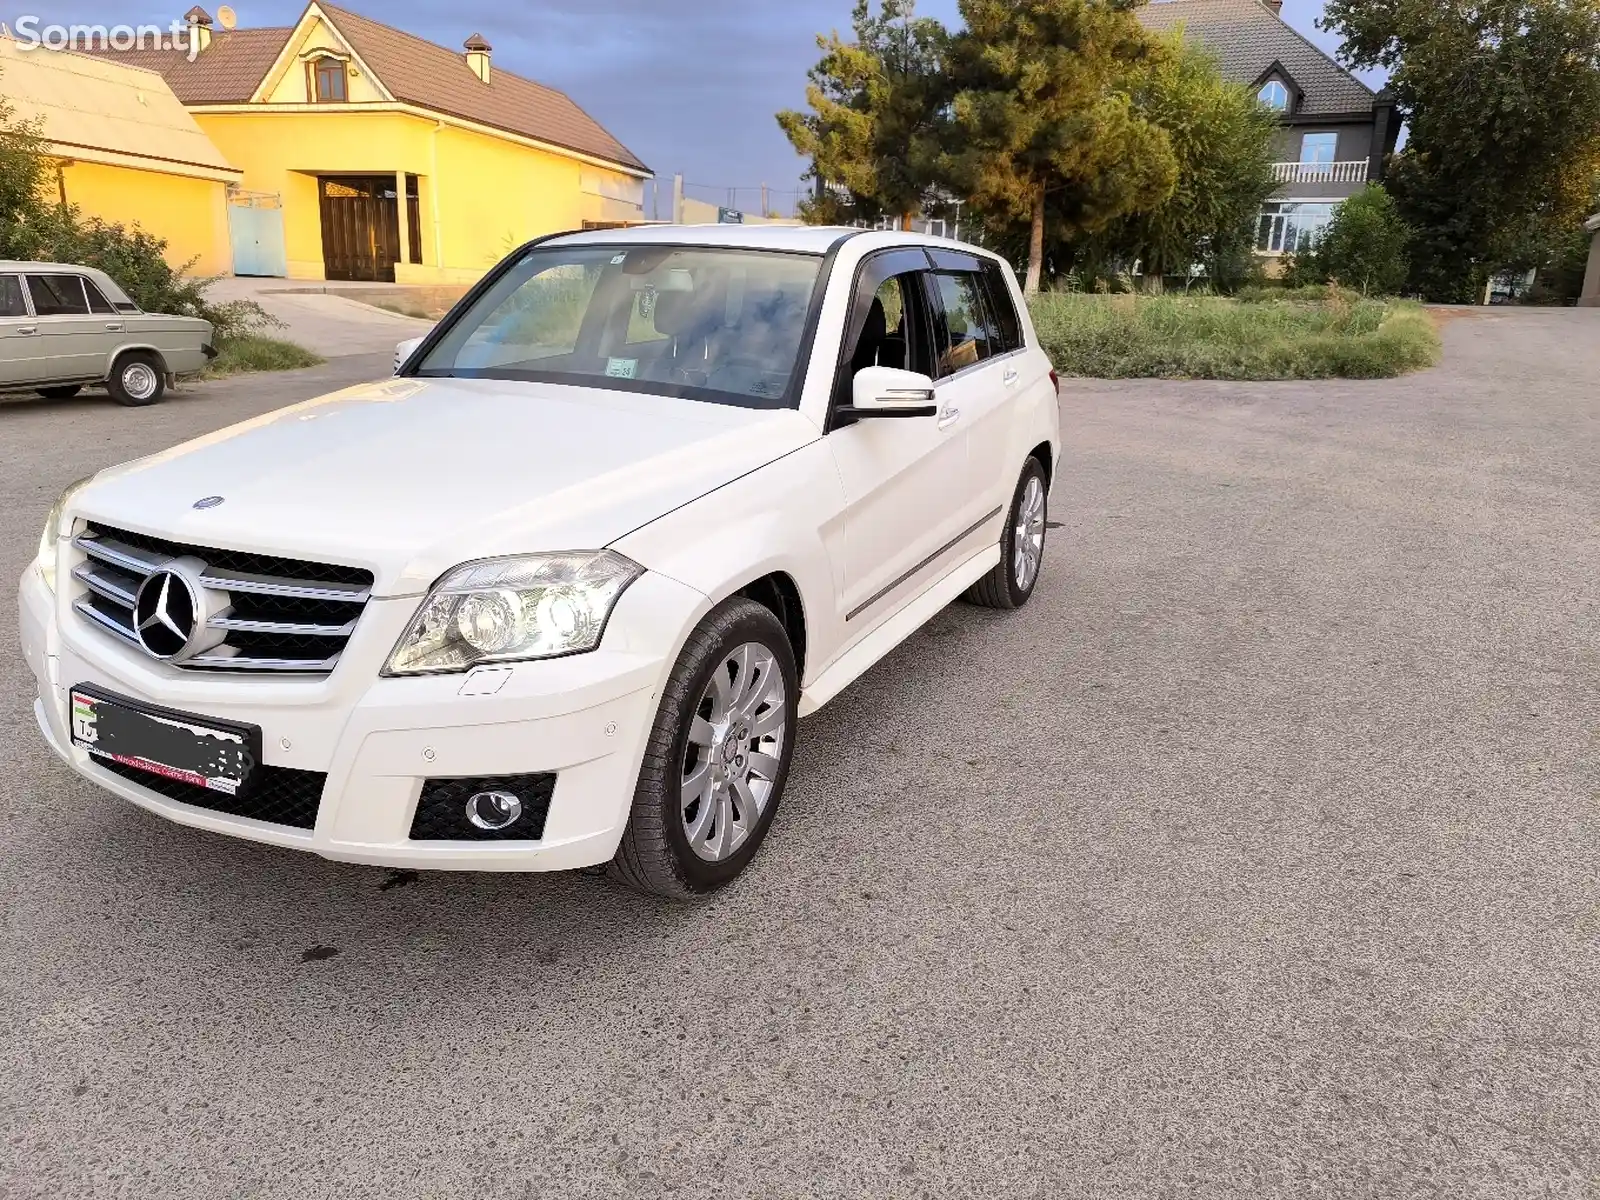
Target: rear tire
{"points": [[137, 379], [1012, 581], [717, 758], [63, 391]]}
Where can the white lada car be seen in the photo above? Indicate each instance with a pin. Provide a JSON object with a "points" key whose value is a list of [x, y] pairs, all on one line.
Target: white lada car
{"points": [[558, 592]]}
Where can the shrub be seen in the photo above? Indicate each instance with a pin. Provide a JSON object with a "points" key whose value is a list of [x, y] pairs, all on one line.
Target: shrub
{"points": [[251, 352], [1296, 335], [1366, 246]]}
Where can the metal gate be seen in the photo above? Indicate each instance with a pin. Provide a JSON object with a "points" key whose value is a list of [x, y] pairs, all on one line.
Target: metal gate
{"points": [[360, 226], [255, 230]]}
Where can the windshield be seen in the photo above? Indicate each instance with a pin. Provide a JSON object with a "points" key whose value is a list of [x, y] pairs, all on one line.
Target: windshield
{"points": [[695, 322]]}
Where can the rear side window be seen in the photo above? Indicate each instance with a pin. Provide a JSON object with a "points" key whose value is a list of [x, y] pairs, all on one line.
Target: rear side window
{"points": [[58, 296], [964, 333], [1008, 327], [11, 302], [97, 302]]}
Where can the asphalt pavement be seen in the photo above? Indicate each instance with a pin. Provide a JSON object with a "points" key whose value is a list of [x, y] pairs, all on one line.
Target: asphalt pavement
{"points": [[1255, 857]]}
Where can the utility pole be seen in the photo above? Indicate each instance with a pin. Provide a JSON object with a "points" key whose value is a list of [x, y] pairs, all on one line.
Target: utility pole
{"points": [[677, 198], [765, 207]]}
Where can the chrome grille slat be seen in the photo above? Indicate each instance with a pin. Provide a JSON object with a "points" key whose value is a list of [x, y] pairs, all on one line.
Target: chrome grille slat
{"points": [[107, 582], [109, 550], [285, 615], [298, 628], [268, 585], [244, 662], [106, 621]]}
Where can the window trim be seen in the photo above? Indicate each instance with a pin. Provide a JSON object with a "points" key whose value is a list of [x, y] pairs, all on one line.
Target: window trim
{"points": [[33, 304], [315, 65]]}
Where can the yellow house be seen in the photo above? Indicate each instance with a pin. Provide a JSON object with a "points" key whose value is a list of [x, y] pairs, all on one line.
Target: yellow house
{"points": [[368, 153], [125, 149]]}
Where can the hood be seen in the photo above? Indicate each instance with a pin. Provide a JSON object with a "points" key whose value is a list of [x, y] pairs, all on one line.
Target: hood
{"points": [[409, 477]]}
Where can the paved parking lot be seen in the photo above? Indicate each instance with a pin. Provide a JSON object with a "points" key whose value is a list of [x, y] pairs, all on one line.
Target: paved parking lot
{"points": [[1255, 857]]}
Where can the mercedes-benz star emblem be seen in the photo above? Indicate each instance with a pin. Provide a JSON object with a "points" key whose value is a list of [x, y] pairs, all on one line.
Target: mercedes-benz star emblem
{"points": [[207, 502], [165, 614]]}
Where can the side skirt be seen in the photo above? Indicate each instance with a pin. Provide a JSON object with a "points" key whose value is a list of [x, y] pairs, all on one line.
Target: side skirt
{"points": [[856, 661]]}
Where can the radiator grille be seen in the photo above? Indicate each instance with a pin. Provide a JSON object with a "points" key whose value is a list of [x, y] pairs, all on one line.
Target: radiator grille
{"points": [[263, 612]]}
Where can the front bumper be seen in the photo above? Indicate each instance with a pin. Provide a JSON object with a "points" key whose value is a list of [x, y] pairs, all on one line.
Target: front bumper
{"points": [[585, 718]]}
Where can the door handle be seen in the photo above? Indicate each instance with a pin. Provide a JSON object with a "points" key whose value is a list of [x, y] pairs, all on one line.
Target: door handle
{"points": [[27, 329], [1010, 376], [949, 416], [114, 326]]}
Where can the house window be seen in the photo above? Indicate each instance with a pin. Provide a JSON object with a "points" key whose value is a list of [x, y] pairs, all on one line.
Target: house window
{"points": [[1292, 226], [325, 80], [1275, 96], [1319, 150]]}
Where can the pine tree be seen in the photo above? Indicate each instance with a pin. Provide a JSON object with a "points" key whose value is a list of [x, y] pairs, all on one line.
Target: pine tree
{"points": [[874, 112], [1042, 119]]}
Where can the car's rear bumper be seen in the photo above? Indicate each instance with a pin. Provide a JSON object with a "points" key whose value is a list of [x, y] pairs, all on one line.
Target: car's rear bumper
{"points": [[585, 719]]}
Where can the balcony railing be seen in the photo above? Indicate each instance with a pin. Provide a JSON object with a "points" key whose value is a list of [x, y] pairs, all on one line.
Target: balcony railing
{"points": [[1334, 172]]}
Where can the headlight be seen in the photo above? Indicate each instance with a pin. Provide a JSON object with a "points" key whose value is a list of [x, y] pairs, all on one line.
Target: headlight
{"points": [[45, 560], [504, 609]]}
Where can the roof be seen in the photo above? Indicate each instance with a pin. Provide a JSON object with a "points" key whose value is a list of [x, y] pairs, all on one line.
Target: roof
{"points": [[421, 73], [801, 239], [414, 70], [225, 72], [97, 109], [1247, 37]]}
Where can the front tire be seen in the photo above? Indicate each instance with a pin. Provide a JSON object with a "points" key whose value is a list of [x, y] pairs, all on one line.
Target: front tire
{"points": [[137, 379], [717, 759], [1012, 581]]}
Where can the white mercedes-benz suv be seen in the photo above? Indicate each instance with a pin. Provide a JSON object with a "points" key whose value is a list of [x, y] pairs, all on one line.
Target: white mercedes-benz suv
{"points": [[557, 593]]}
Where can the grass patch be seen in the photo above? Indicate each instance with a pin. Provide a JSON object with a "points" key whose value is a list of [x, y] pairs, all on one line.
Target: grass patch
{"points": [[252, 352], [1313, 333]]}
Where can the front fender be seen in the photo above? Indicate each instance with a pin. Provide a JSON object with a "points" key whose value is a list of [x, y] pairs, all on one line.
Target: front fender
{"points": [[785, 517]]}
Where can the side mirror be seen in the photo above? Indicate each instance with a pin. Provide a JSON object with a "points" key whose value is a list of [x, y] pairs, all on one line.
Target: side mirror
{"points": [[403, 352], [889, 392]]}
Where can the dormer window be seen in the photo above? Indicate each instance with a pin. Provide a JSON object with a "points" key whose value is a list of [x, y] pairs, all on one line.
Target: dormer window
{"points": [[325, 80], [1275, 95]]}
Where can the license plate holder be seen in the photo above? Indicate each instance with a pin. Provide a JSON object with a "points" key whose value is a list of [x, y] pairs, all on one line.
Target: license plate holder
{"points": [[220, 756]]}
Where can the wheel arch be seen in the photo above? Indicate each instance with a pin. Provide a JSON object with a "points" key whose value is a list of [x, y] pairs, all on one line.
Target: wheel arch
{"points": [[778, 592], [1046, 456], [127, 348]]}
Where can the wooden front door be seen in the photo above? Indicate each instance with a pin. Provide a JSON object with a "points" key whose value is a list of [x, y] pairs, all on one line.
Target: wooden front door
{"points": [[360, 226]]}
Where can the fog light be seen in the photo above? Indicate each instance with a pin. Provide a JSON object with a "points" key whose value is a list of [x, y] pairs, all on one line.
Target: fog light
{"points": [[493, 810]]}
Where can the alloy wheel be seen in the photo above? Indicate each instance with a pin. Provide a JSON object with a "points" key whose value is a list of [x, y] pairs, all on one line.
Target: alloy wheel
{"points": [[735, 752], [1028, 547]]}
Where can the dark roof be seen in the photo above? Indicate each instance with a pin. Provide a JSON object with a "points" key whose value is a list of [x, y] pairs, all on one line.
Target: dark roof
{"points": [[1247, 37], [225, 72], [414, 70]]}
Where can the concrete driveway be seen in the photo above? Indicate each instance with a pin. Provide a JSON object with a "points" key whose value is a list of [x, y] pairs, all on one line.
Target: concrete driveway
{"points": [[1256, 857], [332, 326]]}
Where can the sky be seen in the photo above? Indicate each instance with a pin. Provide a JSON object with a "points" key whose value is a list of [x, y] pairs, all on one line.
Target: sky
{"points": [[689, 86]]}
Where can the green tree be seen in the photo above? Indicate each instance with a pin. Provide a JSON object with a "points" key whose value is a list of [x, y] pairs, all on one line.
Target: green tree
{"points": [[1222, 138], [1042, 121], [874, 119], [1366, 246], [24, 174], [1502, 103]]}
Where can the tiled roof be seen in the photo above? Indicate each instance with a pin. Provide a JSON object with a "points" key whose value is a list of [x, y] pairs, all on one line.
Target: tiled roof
{"points": [[421, 73], [1247, 38], [225, 72], [414, 71]]}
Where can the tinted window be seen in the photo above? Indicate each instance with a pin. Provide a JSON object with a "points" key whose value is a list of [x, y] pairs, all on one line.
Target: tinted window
{"points": [[11, 302], [1008, 327], [724, 326], [57, 296], [964, 336], [97, 302]]}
